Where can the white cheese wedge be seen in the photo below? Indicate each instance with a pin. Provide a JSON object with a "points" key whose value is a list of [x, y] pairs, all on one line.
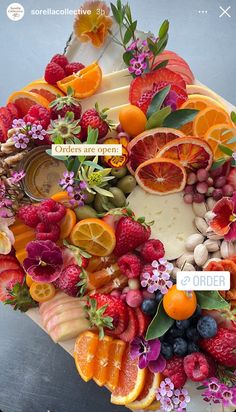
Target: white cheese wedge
{"points": [[109, 98], [115, 80], [173, 219]]}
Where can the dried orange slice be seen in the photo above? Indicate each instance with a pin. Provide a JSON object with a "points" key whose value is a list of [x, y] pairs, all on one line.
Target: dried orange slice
{"points": [[28, 279], [63, 198], [95, 236], [148, 394], [67, 223], [114, 363], [101, 361], [192, 153], [220, 134], [42, 292], [84, 353], [44, 89], [131, 381], [209, 117], [161, 176], [146, 145], [84, 83], [24, 100]]}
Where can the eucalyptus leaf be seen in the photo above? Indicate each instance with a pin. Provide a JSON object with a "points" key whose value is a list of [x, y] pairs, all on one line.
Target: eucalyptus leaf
{"points": [[180, 117], [161, 45], [161, 65], [217, 164], [103, 192], [160, 324], [92, 164], [127, 56], [75, 166], [164, 29], [233, 117], [157, 101], [157, 119], [226, 150], [77, 141], [211, 300], [116, 14], [151, 45], [127, 36]]}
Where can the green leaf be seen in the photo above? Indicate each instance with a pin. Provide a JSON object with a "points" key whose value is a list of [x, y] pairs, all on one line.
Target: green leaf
{"points": [[211, 300], [164, 29], [161, 65], [127, 36], [127, 56], [180, 117], [151, 45], [161, 45], [233, 117], [75, 166], [217, 164], [160, 324], [157, 101], [226, 150], [116, 14], [93, 164], [157, 118]]}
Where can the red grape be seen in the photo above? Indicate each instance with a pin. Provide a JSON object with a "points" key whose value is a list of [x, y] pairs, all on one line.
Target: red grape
{"points": [[202, 175], [217, 194], [202, 187], [228, 190], [192, 178], [188, 198], [220, 181], [210, 181], [198, 198], [188, 189], [217, 172]]}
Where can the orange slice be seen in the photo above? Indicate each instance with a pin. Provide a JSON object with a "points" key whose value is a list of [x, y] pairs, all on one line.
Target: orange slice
{"points": [[161, 176], [203, 91], [148, 394], [101, 361], [67, 223], [29, 281], [63, 198], [42, 292], [192, 153], [209, 117], [131, 381], [95, 236], [114, 363], [44, 89], [24, 100], [146, 145], [84, 353], [155, 406], [85, 82], [220, 134]]}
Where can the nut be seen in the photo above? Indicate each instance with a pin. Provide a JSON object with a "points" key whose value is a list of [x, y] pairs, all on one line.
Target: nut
{"points": [[213, 236], [174, 272], [212, 245], [227, 249], [209, 216], [210, 203], [216, 255], [201, 225], [200, 255], [189, 267], [185, 258], [193, 240], [199, 209]]}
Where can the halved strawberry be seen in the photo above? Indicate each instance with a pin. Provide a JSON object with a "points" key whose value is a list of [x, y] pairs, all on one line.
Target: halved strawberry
{"points": [[121, 325], [6, 117], [3, 132], [13, 110], [133, 327], [8, 262], [8, 279], [143, 88], [143, 321]]}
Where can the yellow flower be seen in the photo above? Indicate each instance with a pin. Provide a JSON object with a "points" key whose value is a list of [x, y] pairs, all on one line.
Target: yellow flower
{"points": [[93, 22]]}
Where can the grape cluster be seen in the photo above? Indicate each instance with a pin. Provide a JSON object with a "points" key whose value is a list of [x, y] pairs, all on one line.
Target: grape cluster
{"points": [[203, 184]]}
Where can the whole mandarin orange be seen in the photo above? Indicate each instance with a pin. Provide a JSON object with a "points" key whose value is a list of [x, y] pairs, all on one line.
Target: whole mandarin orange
{"points": [[179, 304], [132, 120]]}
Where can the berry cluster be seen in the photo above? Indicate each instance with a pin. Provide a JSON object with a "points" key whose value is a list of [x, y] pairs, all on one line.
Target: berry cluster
{"points": [[59, 67]]}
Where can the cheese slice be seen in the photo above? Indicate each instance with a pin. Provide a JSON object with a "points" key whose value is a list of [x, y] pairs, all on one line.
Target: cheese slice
{"points": [[173, 219], [115, 80], [109, 98], [113, 113]]}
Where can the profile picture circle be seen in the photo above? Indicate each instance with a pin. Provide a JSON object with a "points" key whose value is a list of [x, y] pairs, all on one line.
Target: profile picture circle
{"points": [[15, 11]]}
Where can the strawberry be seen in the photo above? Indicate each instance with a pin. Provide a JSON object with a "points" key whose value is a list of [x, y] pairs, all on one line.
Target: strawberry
{"points": [[71, 255], [130, 234], [107, 312], [8, 263], [175, 371], [95, 119], [3, 132], [69, 279], [143, 321], [8, 279], [221, 347], [64, 104], [133, 327]]}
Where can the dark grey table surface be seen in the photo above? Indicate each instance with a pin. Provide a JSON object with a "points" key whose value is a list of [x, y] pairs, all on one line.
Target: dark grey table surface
{"points": [[35, 374]]}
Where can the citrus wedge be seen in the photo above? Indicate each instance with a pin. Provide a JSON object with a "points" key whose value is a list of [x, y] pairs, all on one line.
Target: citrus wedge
{"points": [[209, 117], [24, 100], [67, 223], [114, 363], [44, 89], [84, 354], [101, 361], [131, 381], [220, 134], [146, 145], [85, 82], [148, 394], [192, 153], [95, 236], [161, 176]]}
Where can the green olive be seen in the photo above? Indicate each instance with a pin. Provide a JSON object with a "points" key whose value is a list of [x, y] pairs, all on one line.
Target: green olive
{"points": [[119, 199], [127, 184], [98, 203], [84, 212], [119, 173], [89, 198]]}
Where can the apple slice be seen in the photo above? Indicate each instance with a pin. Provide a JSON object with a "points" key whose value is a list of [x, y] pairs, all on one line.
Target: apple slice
{"points": [[66, 316], [62, 307], [69, 330]]}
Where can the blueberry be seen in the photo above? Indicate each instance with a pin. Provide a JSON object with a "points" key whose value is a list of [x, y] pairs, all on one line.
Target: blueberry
{"points": [[158, 296], [180, 347], [166, 350], [183, 324], [193, 347], [192, 334], [175, 333], [194, 318], [207, 327], [149, 306]]}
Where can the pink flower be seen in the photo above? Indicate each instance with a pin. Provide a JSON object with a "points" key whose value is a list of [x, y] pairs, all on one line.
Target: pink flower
{"points": [[166, 389], [149, 354], [224, 220], [228, 395], [17, 177], [160, 277], [181, 398], [138, 65]]}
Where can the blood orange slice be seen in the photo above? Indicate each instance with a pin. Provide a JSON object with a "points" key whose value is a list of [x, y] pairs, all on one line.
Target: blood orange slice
{"points": [[44, 89], [24, 100], [161, 176], [146, 145], [192, 153], [148, 394]]}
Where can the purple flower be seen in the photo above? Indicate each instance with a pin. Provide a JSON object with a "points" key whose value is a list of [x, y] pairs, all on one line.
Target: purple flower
{"points": [[37, 132], [212, 393], [162, 265], [44, 261], [166, 404], [171, 100], [5, 203], [138, 64], [181, 398], [228, 395], [160, 277], [68, 180], [76, 194], [149, 354], [21, 140], [18, 123], [166, 389], [17, 177], [133, 45]]}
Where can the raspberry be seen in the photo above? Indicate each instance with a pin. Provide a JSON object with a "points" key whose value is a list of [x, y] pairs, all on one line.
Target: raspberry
{"points": [[147, 269], [153, 249], [130, 265], [54, 73], [73, 68], [51, 212], [60, 59], [29, 215], [38, 115], [175, 371], [69, 279], [47, 231], [196, 367]]}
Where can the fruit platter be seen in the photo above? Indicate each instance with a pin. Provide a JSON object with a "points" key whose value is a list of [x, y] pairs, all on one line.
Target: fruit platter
{"points": [[90, 246]]}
